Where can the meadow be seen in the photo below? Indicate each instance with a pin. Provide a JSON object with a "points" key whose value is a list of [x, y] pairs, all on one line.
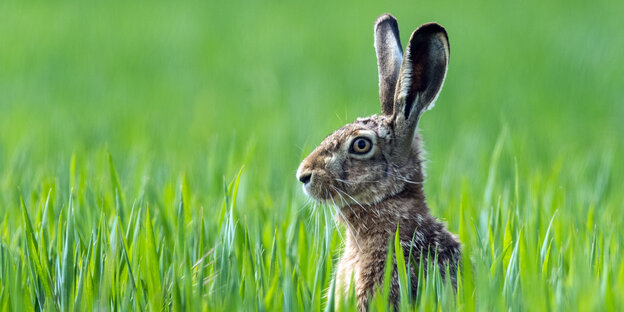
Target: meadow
{"points": [[148, 152]]}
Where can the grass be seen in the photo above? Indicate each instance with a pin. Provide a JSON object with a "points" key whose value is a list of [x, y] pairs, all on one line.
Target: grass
{"points": [[148, 152]]}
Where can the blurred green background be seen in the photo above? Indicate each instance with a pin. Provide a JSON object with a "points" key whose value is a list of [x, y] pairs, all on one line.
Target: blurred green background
{"points": [[188, 93]]}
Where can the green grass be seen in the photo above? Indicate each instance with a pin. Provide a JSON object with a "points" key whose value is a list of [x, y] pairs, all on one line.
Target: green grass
{"points": [[148, 152]]}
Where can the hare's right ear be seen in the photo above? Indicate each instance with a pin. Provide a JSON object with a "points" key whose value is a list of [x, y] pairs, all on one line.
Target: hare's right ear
{"points": [[389, 57], [421, 77]]}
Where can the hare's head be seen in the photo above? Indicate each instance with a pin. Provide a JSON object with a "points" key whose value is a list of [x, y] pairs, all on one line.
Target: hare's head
{"points": [[375, 157]]}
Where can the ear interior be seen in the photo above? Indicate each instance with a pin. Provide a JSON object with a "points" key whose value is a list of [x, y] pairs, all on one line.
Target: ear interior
{"points": [[423, 70], [389, 58]]}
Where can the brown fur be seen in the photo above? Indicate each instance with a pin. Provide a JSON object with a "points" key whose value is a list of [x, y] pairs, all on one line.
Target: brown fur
{"points": [[376, 191]]}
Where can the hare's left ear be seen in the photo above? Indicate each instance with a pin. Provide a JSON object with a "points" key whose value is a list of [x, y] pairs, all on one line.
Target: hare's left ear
{"points": [[421, 76]]}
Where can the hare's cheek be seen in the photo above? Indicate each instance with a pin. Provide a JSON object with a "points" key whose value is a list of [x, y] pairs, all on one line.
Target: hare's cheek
{"points": [[333, 169]]}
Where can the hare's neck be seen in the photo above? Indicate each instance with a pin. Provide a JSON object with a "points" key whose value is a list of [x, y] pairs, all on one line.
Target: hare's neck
{"points": [[407, 209]]}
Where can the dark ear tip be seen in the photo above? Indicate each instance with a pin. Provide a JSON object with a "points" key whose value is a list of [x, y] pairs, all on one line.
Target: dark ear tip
{"points": [[430, 32], [385, 18], [428, 29]]}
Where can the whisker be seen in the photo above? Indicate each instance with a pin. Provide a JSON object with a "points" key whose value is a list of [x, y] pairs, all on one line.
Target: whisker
{"points": [[344, 202], [402, 178], [355, 182], [357, 215], [346, 221], [335, 223], [347, 194], [396, 175]]}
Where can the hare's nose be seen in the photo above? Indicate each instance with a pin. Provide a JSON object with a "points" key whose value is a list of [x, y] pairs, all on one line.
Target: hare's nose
{"points": [[305, 178]]}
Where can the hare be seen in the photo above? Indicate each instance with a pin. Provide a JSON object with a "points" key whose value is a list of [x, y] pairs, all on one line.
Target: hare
{"points": [[372, 169]]}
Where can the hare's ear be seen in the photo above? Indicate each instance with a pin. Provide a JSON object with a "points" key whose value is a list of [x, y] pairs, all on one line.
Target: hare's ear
{"points": [[389, 57], [422, 75]]}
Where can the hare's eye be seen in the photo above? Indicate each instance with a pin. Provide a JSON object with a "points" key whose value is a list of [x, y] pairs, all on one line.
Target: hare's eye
{"points": [[361, 146]]}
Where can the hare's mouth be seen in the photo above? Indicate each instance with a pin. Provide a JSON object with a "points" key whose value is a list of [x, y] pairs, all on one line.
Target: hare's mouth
{"points": [[319, 193], [319, 186]]}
